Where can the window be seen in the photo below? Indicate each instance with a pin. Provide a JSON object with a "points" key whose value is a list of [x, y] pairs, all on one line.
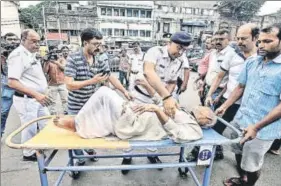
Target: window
{"points": [[196, 11], [130, 32], [166, 27], [148, 14], [170, 9], [148, 33], [159, 7], [135, 13], [122, 32], [181, 10], [129, 13], [109, 31], [116, 32], [142, 13], [68, 6], [135, 33], [103, 11], [109, 12], [174, 9], [103, 31], [188, 10], [116, 12], [122, 12], [142, 33]]}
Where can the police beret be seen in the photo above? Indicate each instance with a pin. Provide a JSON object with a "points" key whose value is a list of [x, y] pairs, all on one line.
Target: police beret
{"points": [[181, 38]]}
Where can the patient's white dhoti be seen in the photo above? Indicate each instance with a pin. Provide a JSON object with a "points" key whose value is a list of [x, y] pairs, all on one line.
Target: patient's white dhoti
{"points": [[99, 114]]}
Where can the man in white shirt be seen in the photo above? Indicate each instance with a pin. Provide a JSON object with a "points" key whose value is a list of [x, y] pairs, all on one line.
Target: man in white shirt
{"points": [[26, 76]]}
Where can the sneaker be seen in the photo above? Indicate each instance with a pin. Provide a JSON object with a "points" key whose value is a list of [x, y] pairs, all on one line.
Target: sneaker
{"points": [[126, 161], [30, 158]]}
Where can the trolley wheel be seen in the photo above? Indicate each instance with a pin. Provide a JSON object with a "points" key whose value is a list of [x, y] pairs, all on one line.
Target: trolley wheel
{"points": [[75, 174], [183, 172]]}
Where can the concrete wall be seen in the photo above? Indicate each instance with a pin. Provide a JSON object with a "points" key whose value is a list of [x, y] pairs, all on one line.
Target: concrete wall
{"points": [[10, 18]]}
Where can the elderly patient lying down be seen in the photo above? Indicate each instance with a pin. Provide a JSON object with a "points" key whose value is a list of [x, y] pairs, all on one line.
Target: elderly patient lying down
{"points": [[106, 113]]}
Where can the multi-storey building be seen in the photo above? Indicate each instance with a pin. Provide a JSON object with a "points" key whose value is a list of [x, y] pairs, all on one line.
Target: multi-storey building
{"points": [[191, 16], [125, 21], [70, 17]]}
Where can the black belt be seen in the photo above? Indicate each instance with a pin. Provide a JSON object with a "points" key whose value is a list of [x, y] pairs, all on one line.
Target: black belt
{"points": [[21, 95], [134, 72], [141, 92]]}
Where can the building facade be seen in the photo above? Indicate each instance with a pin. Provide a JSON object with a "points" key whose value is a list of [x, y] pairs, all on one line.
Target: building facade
{"points": [[125, 21], [10, 18], [190, 16], [70, 17]]}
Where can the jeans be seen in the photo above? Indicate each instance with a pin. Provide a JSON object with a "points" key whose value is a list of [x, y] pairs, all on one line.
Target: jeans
{"points": [[7, 101], [122, 76]]}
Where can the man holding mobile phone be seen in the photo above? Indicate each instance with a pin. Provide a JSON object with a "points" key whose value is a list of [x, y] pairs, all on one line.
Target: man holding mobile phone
{"points": [[84, 74]]}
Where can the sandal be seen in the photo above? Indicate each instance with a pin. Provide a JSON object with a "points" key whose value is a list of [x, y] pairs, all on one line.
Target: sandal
{"points": [[275, 152], [234, 182]]}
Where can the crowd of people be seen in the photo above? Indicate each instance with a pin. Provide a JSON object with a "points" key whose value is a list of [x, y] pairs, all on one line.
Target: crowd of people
{"points": [[238, 80]]}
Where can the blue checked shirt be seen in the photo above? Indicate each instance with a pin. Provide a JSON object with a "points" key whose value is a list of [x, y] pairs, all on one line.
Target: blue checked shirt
{"points": [[261, 95]]}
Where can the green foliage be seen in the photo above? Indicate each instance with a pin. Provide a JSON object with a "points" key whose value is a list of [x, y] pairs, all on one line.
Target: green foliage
{"points": [[239, 10], [32, 16]]}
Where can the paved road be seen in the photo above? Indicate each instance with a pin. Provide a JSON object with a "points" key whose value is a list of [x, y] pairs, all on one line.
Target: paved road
{"points": [[15, 172]]}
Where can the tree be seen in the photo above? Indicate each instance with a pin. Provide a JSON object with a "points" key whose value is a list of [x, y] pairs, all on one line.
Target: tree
{"points": [[239, 10], [32, 15]]}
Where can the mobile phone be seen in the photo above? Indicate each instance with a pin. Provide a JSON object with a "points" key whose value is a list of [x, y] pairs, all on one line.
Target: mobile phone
{"points": [[107, 72]]}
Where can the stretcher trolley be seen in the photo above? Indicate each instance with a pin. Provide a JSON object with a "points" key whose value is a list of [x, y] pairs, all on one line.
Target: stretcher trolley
{"points": [[54, 138]]}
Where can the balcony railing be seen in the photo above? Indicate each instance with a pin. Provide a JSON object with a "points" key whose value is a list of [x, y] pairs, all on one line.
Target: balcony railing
{"points": [[84, 12]]}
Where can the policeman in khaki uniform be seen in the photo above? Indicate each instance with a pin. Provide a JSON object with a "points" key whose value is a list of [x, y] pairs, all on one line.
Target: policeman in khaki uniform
{"points": [[162, 67], [26, 76]]}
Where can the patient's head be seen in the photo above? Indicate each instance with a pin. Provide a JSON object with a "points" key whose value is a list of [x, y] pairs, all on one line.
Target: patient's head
{"points": [[204, 116]]}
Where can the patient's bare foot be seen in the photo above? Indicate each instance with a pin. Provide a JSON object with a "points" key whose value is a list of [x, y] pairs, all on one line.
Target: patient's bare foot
{"points": [[65, 122]]}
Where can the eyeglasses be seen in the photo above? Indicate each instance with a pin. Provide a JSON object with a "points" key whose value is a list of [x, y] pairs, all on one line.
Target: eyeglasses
{"points": [[181, 48], [96, 44], [219, 39]]}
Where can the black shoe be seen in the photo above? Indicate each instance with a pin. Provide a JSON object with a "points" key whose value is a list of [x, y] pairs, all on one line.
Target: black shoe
{"points": [[154, 160], [126, 161], [219, 153], [30, 158], [193, 155], [92, 152]]}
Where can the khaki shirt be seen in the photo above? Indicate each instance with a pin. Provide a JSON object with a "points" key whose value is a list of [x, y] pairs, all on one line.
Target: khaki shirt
{"points": [[23, 66], [167, 69]]}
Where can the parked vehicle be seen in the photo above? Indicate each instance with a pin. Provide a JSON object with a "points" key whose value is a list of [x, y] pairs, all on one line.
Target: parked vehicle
{"points": [[194, 56]]}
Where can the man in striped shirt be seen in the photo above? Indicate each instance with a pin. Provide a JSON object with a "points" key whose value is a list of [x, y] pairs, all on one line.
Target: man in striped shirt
{"points": [[84, 74]]}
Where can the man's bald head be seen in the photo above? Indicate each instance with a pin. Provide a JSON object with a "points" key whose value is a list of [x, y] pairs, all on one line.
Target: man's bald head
{"points": [[252, 28], [30, 40], [247, 37]]}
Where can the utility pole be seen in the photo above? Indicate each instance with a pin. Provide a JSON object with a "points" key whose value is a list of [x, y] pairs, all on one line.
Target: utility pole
{"points": [[57, 8], [45, 29]]}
